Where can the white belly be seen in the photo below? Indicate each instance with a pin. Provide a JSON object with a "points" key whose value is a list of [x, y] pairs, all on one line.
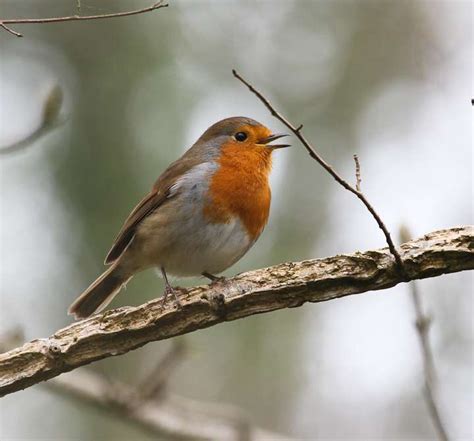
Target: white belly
{"points": [[186, 244], [211, 248]]}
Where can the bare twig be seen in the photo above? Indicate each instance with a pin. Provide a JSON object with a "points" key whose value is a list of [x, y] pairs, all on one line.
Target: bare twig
{"points": [[312, 152], [4, 22], [358, 178], [287, 285], [423, 324], [15, 33]]}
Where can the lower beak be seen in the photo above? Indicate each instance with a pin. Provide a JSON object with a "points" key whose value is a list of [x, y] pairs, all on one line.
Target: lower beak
{"points": [[271, 138]]}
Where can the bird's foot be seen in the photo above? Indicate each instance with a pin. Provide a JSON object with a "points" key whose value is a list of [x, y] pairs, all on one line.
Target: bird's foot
{"points": [[174, 291], [215, 280]]}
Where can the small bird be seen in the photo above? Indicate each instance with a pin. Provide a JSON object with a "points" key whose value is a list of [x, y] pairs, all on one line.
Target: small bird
{"points": [[202, 215]]}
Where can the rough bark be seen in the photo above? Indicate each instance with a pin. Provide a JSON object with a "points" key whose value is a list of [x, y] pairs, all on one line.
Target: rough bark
{"points": [[287, 285]]}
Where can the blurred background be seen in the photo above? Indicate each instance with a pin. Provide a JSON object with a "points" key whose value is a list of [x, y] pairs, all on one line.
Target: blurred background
{"points": [[388, 80]]}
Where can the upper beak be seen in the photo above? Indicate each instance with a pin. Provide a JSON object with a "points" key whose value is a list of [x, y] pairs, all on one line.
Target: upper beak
{"points": [[271, 138]]}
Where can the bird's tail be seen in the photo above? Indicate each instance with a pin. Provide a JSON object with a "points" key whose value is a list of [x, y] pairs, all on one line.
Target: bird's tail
{"points": [[100, 293]]}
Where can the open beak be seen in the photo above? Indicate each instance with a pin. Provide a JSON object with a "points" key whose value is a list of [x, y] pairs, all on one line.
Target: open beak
{"points": [[271, 138]]}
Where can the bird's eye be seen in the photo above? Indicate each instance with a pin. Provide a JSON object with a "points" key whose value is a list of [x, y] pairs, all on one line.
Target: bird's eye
{"points": [[240, 136]]}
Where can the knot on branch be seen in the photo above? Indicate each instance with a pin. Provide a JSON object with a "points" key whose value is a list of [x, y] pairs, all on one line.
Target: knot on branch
{"points": [[52, 350], [217, 303], [423, 324]]}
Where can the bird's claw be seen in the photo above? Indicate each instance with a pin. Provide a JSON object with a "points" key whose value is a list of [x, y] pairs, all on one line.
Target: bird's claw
{"points": [[215, 280], [170, 290]]}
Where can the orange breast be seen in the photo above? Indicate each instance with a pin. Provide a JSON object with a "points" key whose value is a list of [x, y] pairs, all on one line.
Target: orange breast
{"points": [[240, 188]]}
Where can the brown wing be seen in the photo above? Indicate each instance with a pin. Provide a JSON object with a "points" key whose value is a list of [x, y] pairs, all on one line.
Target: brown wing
{"points": [[149, 203], [159, 194]]}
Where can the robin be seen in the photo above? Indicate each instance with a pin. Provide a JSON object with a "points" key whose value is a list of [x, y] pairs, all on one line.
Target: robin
{"points": [[202, 215]]}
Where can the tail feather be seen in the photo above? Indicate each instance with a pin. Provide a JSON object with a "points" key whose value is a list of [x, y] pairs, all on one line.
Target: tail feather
{"points": [[99, 294]]}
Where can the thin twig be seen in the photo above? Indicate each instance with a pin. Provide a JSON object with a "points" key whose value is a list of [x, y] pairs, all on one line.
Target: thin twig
{"points": [[358, 178], [288, 285], [15, 33], [4, 22], [312, 152], [423, 324]]}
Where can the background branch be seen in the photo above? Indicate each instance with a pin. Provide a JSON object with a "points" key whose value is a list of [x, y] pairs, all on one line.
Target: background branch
{"points": [[423, 323], [358, 178], [173, 416], [5, 22], [286, 285], [50, 120], [312, 152], [164, 414]]}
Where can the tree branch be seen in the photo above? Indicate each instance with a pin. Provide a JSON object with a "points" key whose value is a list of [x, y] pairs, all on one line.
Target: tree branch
{"points": [[5, 22], [358, 178], [158, 412], [287, 285], [173, 416], [423, 324], [312, 152]]}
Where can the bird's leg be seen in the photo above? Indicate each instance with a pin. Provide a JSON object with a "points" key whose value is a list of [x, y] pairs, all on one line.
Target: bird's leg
{"points": [[168, 289], [214, 279]]}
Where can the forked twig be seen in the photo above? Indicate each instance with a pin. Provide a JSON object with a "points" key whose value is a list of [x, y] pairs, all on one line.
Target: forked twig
{"points": [[312, 152], [15, 33]]}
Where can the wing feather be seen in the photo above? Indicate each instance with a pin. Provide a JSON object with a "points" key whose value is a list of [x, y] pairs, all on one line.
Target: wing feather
{"points": [[159, 194], [147, 205]]}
